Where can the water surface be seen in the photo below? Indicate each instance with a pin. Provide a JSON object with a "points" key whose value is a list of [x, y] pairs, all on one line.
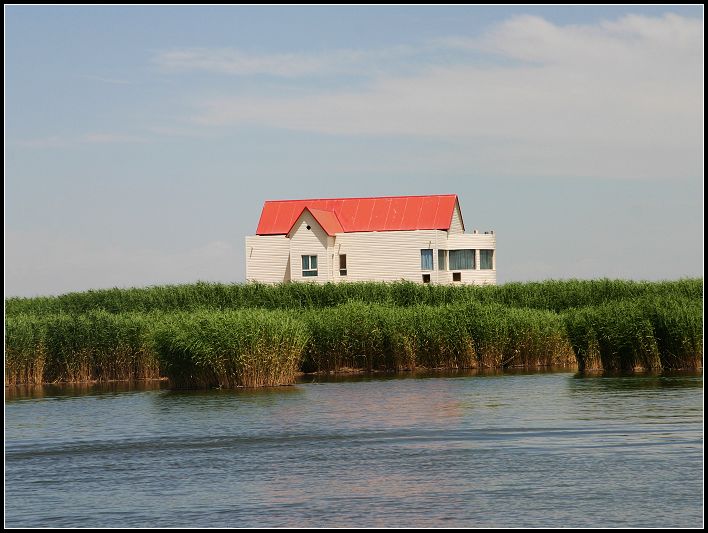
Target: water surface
{"points": [[520, 449]]}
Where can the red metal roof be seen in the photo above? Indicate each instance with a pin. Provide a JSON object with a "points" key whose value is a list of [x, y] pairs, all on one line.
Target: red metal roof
{"points": [[390, 213]]}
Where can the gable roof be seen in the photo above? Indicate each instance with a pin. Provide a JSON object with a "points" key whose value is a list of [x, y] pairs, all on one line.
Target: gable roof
{"points": [[327, 219], [345, 215]]}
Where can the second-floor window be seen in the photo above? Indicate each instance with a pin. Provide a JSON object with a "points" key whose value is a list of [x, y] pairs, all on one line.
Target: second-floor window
{"points": [[309, 265]]}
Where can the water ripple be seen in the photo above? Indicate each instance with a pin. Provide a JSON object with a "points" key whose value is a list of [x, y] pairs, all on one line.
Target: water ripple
{"points": [[526, 450]]}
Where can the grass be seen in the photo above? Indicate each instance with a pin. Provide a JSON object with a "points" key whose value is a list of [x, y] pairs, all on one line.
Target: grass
{"points": [[213, 335]]}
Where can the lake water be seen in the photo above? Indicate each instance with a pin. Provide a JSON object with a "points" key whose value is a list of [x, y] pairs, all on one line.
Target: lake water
{"points": [[519, 449]]}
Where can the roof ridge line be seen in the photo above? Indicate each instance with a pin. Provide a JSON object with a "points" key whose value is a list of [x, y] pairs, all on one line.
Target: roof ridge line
{"points": [[360, 198]]}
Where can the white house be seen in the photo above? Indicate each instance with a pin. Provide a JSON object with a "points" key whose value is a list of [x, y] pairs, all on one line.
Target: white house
{"points": [[415, 238]]}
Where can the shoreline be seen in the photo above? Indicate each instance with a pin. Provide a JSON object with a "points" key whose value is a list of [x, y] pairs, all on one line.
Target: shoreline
{"points": [[344, 374]]}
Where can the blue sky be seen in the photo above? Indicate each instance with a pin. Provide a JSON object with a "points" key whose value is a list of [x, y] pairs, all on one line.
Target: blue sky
{"points": [[140, 143]]}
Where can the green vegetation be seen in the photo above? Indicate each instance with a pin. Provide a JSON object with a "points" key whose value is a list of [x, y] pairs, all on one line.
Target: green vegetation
{"points": [[549, 295], [205, 335], [652, 333], [375, 337], [230, 349], [93, 346]]}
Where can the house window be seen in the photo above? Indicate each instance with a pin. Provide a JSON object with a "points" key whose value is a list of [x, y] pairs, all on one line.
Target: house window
{"points": [[486, 259], [442, 260], [461, 259], [426, 259], [457, 276], [309, 265], [342, 264], [426, 278]]}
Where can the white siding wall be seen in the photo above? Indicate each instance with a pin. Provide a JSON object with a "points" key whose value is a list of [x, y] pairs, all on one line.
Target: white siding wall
{"points": [[470, 277], [313, 241], [267, 258], [333, 259], [456, 223], [471, 241], [385, 255]]}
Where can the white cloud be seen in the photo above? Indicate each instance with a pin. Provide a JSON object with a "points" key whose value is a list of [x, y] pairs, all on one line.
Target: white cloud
{"points": [[230, 61], [616, 99], [39, 263], [239, 62]]}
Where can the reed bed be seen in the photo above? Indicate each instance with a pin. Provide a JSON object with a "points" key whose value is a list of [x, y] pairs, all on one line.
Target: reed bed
{"points": [[230, 349], [25, 350], [641, 334], [547, 295], [96, 346], [206, 335], [376, 337], [678, 331]]}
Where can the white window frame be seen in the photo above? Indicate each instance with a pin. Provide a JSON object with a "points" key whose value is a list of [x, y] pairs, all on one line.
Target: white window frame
{"points": [[307, 264]]}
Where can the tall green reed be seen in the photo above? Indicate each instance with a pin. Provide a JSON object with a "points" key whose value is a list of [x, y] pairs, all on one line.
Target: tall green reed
{"points": [[552, 295], [230, 349], [96, 346]]}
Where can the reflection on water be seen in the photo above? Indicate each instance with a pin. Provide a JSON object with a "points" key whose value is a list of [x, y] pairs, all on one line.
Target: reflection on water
{"points": [[62, 390], [425, 374], [613, 381], [57, 390], [521, 449]]}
